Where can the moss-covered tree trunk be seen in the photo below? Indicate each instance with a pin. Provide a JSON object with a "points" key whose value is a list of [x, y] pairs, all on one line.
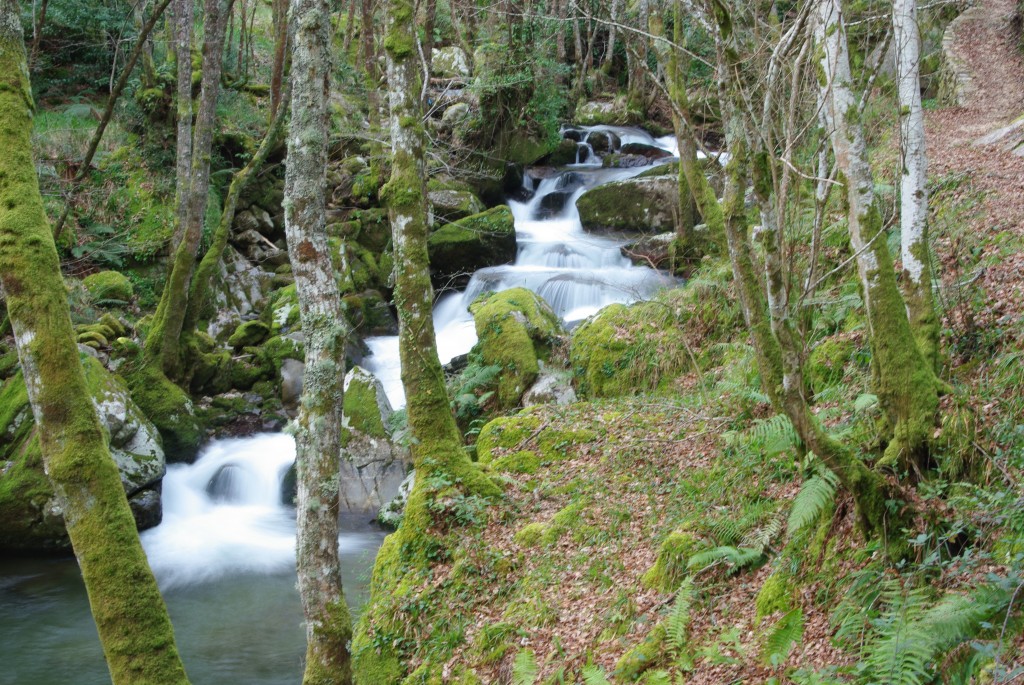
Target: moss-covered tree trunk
{"points": [[917, 277], [905, 381], [183, 21], [437, 447], [280, 14], [163, 344], [130, 615], [199, 289], [319, 425]]}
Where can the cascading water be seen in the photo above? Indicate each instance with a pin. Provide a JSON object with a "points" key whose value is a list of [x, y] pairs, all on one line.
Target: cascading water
{"points": [[576, 272], [224, 557]]}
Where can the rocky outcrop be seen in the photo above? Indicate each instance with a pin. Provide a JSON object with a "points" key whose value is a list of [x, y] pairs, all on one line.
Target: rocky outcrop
{"points": [[461, 247], [638, 205], [453, 205], [516, 329], [374, 466], [30, 517]]}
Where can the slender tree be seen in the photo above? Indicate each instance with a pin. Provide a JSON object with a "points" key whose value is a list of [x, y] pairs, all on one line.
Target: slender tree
{"points": [[130, 615], [319, 425], [162, 345], [183, 21], [917, 280], [904, 380]]}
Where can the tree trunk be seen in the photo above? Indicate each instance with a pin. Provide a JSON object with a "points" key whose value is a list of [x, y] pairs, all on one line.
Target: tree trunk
{"points": [[437, 444], [429, 19], [280, 13], [350, 26], [609, 52], [199, 290], [148, 79], [905, 382], [917, 280], [184, 21], [319, 424], [37, 34], [162, 345], [134, 629]]}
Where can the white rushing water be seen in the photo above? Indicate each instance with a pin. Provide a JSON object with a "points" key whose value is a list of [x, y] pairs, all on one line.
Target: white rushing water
{"points": [[578, 273], [226, 514]]}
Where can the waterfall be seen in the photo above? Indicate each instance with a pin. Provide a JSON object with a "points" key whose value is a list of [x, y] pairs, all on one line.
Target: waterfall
{"points": [[576, 272]]}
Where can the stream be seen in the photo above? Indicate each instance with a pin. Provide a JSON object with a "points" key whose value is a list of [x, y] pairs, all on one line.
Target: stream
{"points": [[578, 273], [224, 555]]}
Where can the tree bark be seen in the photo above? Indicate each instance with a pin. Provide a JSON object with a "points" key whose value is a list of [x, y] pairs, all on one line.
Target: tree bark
{"points": [[184, 21], [130, 615], [280, 13], [162, 345], [319, 424], [199, 290], [905, 382], [917, 279], [437, 445]]}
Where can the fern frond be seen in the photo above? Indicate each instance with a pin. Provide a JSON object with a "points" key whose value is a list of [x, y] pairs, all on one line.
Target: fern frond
{"points": [[816, 495], [678, 623], [524, 668], [658, 677], [594, 675], [761, 538], [774, 435], [788, 632], [738, 557]]}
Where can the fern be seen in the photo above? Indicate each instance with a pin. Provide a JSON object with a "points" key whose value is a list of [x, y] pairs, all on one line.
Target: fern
{"points": [[774, 435], [788, 632], [524, 668], [678, 623], [594, 675], [761, 538], [815, 496], [737, 557]]}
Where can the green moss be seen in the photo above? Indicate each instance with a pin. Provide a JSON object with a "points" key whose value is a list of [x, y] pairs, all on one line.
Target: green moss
{"points": [[516, 328], [523, 461], [641, 657], [776, 595], [531, 534], [827, 362], [249, 334], [480, 240], [170, 410], [670, 569], [108, 285], [361, 408], [506, 433], [494, 640]]}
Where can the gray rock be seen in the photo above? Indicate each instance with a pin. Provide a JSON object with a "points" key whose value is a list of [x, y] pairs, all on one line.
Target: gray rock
{"points": [[291, 383], [553, 386], [452, 205], [638, 205], [390, 514], [449, 62]]}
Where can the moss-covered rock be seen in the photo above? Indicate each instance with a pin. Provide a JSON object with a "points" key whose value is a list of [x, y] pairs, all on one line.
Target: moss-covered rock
{"points": [[30, 517], [170, 409], [523, 461], [670, 567], [458, 249], [644, 205], [641, 657], [516, 329], [108, 285], [452, 205], [602, 112], [776, 595], [366, 407], [249, 334]]}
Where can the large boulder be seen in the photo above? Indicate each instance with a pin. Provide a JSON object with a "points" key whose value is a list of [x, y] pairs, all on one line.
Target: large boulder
{"points": [[461, 247], [108, 285], [516, 329], [374, 466], [449, 62], [637, 205], [30, 517], [598, 112], [452, 205]]}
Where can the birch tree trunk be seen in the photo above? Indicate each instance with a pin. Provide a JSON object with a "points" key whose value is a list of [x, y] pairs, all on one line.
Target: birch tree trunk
{"points": [[319, 424], [162, 345], [904, 381], [134, 629], [917, 281]]}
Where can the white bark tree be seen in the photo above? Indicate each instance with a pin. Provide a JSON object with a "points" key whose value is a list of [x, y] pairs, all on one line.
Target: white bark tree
{"points": [[917, 281], [319, 424]]}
